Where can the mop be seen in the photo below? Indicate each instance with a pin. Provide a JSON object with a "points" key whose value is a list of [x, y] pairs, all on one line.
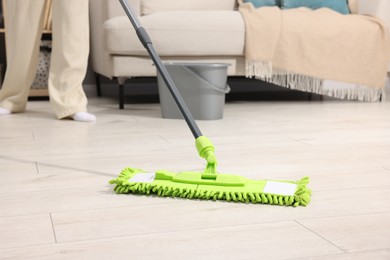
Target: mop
{"points": [[206, 185]]}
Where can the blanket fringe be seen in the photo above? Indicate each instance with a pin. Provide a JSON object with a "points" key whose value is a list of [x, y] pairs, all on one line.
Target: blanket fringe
{"points": [[358, 92], [264, 70], [258, 69]]}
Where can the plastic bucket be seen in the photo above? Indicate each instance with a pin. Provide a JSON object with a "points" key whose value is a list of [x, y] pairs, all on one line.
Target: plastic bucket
{"points": [[202, 86]]}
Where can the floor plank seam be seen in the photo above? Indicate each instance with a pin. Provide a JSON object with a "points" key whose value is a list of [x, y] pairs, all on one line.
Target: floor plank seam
{"points": [[165, 232], [53, 228], [36, 167], [3, 249], [322, 237], [354, 188], [168, 203], [112, 207], [327, 255], [84, 171], [164, 139], [346, 215]]}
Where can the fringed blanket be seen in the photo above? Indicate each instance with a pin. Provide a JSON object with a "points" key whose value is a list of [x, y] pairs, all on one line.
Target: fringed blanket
{"points": [[299, 48]]}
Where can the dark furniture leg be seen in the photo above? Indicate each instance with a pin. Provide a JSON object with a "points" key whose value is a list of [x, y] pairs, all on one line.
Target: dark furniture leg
{"points": [[121, 84], [98, 85]]}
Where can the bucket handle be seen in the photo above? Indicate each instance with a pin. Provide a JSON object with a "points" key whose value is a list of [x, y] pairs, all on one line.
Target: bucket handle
{"points": [[218, 89]]}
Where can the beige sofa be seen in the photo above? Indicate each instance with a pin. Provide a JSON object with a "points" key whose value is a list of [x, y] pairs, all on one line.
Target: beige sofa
{"points": [[181, 30], [195, 30]]}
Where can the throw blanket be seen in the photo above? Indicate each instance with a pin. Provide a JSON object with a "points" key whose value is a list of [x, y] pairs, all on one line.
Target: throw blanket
{"points": [[298, 48]]}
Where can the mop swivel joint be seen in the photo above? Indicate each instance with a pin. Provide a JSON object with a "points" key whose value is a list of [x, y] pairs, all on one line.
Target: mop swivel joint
{"points": [[206, 150]]}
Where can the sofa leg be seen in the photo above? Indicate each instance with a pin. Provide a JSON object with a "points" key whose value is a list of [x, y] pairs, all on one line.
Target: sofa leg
{"points": [[121, 84], [98, 85], [121, 96]]}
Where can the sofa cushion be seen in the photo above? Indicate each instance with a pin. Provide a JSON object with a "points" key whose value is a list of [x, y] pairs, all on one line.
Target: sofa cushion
{"points": [[153, 6], [187, 33], [114, 7], [340, 6], [261, 3]]}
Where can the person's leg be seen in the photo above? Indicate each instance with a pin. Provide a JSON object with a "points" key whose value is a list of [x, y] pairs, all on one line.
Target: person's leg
{"points": [[24, 22], [69, 59]]}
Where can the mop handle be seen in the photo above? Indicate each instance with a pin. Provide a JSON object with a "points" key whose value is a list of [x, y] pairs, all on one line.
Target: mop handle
{"points": [[147, 43]]}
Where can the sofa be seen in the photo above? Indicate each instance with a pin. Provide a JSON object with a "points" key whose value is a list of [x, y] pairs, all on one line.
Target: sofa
{"points": [[181, 31]]}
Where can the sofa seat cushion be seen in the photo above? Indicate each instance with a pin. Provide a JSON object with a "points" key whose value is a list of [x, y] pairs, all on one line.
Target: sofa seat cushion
{"points": [[153, 6], [176, 33]]}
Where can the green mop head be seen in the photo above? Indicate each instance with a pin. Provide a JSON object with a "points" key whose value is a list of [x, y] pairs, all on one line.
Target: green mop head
{"points": [[227, 187], [212, 186]]}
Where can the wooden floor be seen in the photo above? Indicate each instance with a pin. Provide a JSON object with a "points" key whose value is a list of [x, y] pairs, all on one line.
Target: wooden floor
{"points": [[56, 203]]}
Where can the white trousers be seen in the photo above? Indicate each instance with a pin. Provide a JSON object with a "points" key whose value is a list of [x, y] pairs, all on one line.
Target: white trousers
{"points": [[69, 58]]}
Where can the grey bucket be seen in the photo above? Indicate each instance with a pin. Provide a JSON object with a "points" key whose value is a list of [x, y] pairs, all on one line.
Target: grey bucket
{"points": [[202, 85]]}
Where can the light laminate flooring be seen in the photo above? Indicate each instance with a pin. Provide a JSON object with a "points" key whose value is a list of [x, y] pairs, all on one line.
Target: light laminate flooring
{"points": [[56, 203]]}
